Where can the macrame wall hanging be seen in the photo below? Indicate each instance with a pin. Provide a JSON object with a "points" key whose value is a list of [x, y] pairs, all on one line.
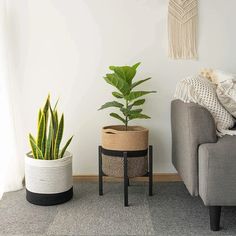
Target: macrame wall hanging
{"points": [[182, 29]]}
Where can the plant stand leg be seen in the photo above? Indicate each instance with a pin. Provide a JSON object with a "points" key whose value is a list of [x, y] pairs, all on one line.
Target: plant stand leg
{"points": [[215, 212], [100, 171], [125, 179], [150, 172]]}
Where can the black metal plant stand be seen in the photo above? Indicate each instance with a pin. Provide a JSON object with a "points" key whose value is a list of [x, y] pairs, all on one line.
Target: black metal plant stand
{"points": [[125, 155]]}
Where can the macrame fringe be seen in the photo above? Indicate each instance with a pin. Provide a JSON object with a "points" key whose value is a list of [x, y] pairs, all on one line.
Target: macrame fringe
{"points": [[182, 29]]}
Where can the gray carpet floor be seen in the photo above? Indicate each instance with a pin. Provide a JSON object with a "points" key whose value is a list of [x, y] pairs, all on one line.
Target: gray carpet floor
{"points": [[171, 211]]}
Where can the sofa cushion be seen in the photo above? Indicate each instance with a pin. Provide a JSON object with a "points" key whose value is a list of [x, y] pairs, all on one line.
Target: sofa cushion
{"points": [[226, 92], [199, 90], [217, 172]]}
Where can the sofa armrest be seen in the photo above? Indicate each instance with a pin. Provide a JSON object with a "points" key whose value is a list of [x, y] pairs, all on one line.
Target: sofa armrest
{"points": [[191, 125]]}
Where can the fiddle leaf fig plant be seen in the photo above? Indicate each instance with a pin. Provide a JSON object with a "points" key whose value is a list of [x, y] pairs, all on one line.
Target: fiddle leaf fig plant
{"points": [[129, 100], [49, 135]]}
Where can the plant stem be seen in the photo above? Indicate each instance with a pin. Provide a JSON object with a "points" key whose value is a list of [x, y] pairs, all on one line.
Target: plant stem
{"points": [[126, 117]]}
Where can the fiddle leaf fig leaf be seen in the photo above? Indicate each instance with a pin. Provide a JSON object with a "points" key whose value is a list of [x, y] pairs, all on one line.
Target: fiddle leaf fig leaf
{"points": [[125, 111], [122, 79], [135, 66], [137, 103], [117, 95], [136, 94], [118, 83], [138, 116], [135, 84], [115, 115], [136, 111], [111, 104], [127, 73]]}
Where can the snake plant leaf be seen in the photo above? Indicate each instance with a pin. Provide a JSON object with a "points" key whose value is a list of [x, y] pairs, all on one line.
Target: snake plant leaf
{"points": [[41, 131], [127, 73], [115, 115], [44, 140], [47, 104], [32, 137], [56, 119], [118, 83], [54, 125], [33, 148], [135, 66], [117, 95], [48, 155], [55, 106], [55, 115], [46, 111], [138, 116], [47, 144], [59, 137], [136, 94], [39, 116], [111, 104], [139, 82], [65, 147], [52, 116]]}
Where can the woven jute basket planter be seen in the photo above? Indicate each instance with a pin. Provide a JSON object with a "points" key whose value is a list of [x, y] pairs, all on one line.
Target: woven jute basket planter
{"points": [[116, 138]]}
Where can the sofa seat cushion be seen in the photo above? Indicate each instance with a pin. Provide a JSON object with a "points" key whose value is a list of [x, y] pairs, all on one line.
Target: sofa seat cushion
{"points": [[217, 172]]}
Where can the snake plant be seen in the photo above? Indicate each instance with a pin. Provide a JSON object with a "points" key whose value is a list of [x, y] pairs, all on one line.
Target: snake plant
{"points": [[129, 101], [49, 135]]}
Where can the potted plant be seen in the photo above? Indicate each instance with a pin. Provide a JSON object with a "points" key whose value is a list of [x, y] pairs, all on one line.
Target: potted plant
{"points": [[48, 167], [125, 137]]}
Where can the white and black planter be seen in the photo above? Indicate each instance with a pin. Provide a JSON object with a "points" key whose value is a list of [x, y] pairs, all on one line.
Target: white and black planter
{"points": [[48, 182]]}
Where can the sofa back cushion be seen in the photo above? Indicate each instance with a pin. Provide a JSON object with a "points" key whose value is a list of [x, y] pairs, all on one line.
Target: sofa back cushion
{"points": [[199, 90], [226, 93]]}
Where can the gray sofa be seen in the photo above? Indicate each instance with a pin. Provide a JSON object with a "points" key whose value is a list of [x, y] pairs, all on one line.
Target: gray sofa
{"points": [[206, 163]]}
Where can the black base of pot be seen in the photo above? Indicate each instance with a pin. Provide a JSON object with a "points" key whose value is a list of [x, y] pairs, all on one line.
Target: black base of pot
{"points": [[48, 199]]}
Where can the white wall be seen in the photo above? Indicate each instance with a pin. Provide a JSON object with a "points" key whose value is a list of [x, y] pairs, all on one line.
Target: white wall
{"points": [[65, 47]]}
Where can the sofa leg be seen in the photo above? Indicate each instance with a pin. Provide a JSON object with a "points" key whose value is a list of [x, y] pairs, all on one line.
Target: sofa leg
{"points": [[215, 212]]}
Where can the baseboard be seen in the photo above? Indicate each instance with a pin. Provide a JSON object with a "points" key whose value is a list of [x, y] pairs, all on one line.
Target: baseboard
{"points": [[158, 177]]}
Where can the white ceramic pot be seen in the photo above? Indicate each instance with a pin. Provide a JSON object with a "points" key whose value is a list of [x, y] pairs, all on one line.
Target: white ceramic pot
{"points": [[48, 182]]}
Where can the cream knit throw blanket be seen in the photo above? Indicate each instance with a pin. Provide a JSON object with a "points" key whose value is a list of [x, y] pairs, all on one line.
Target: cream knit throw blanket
{"points": [[182, 29]]}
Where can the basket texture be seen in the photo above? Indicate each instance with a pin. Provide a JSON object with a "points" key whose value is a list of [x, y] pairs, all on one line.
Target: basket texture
{"points": [[117, 139]]}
